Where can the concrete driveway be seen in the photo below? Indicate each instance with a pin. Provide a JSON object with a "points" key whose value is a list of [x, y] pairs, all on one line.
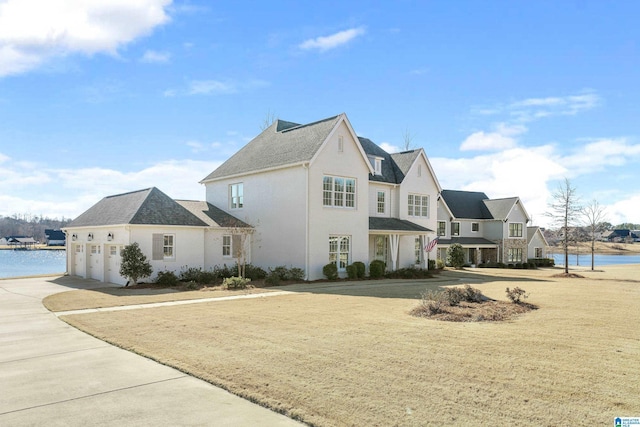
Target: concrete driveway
{"points": [[52, 374]]}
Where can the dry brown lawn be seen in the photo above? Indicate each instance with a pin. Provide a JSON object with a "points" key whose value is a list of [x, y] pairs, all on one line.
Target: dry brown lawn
{"points": [[351, 355]]}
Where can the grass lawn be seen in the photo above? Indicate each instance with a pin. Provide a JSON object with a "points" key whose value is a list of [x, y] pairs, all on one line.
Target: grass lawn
{"points": [[333, 355]]}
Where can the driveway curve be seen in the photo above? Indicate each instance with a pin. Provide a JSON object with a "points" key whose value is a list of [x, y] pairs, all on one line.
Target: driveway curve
{"points": [[52, 374]]}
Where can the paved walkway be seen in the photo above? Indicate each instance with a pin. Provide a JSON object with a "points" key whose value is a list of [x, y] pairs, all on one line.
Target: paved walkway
{"points": [[52, 374]]}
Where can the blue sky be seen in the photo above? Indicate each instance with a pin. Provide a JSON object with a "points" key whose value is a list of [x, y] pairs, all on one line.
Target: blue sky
{"points": [[102, 97]]}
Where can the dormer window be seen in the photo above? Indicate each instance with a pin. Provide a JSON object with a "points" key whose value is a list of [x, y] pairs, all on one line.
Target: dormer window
{"points": [[376, 162]]}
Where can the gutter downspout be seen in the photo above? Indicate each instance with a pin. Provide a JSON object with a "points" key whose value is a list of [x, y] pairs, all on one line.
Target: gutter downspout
{"points": [[305, 166]]}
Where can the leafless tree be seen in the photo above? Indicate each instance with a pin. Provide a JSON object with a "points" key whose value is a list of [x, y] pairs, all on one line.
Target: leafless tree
{"points": [[268, 120], [407, 138], [594, 216], [564, 212]]}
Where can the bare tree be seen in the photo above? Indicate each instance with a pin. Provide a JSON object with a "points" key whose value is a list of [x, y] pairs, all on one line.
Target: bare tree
{"points": [[407, 138], [564, 212], [594, 216], [268, 120]]}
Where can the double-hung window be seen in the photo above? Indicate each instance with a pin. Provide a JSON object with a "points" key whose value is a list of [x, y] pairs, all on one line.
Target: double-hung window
{"points": [[339, 192], [381, 197], [340, 251], [236, 196], [475, 227], [163, 247], [418, 205], [226, 245], [455, 228], [515, 229], [442, 228]]}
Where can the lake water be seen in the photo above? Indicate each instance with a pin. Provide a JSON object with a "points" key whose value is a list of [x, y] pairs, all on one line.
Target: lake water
{"points": [[599, 260], [32, 262]]}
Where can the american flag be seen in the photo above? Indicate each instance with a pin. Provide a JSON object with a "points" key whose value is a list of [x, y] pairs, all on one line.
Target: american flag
{"points": [[432, 244]]}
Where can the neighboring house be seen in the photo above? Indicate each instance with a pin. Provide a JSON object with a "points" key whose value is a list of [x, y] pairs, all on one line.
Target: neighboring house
{"points": [[317, 193], [172, 234], [489, 230], [55, 237], [536, 243], [21, 242], [621, 235], [3, 241]]}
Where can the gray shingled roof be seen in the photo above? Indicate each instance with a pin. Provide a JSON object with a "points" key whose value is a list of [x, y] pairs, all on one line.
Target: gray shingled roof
{"points": [[405, 160], [395, 224], [466, 204], [467, 241], [500, 208], [283, 143], [212, 215], [149, 206], [394, 166]]}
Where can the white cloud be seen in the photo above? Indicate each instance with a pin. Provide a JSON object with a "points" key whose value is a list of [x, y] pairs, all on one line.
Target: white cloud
{"points": [[63, 27], [501, 139], [154, 57], [536, 108], [390, 148], [333, 41], [596, 155], [211, 87], [69, 192], [625, 210], [218, 87]]}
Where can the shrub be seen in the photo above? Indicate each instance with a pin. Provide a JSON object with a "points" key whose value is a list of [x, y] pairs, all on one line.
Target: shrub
{"points": [[455, 255], [439, 264], [190, 274], [166, 278], [431, 302], [281, 271], [191, 286], [471, 294], [352, 272], [376, 269], [330, 271], [207, 277], [272, 279], [360, 269], [296, 274], [516, 294], [224, 271], [431, 264], [235, 283], [453, 296], [254, 273], [134, 263], [409, 273]]}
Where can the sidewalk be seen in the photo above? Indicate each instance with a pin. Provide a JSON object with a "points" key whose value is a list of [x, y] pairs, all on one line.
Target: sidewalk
{"points": [[52, 374]]}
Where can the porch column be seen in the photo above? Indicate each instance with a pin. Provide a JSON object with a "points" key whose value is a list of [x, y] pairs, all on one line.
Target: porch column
{"points": [[394, 243]]}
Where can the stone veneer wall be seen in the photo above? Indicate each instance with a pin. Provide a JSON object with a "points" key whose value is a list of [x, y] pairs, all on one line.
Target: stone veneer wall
{"points": [[513, 243]]}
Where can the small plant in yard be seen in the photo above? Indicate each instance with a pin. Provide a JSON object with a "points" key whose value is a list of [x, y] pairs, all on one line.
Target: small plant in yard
{"points": [[455, 255], [516, 294], [166, 278], [376, 269], [134, 264], [352, 272], [296, 274], [360, 269], [272, 279], [236, 283], [330, 271], [472, 294], [431, 302]]}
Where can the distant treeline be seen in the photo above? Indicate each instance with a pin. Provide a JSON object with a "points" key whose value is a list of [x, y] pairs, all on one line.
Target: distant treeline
{"points": [[30, 225]]}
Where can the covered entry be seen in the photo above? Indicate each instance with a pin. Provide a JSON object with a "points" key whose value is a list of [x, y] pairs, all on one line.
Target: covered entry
{"points": [[399, 243]]}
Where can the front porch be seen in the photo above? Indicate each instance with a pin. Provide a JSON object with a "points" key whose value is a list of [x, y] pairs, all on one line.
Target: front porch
{"points": [[477, 249], [399, 243]]}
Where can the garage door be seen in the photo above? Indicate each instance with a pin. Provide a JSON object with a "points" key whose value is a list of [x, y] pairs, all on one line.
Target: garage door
{"points": [[78, 259], [113, 265], [96, 263]]}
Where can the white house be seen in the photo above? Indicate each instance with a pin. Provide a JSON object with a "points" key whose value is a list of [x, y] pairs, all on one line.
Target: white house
{"points": [[536, 243], [490, 230], [316, 193], [172, 234]]}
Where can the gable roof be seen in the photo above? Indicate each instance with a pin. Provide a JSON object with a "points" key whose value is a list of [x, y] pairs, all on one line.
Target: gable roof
{"points": [[531, 231], [281, 144], [54, 234], [149, 206], [466, 204], [476, 205], [501, 208], [391, 172], [213, 216]]}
